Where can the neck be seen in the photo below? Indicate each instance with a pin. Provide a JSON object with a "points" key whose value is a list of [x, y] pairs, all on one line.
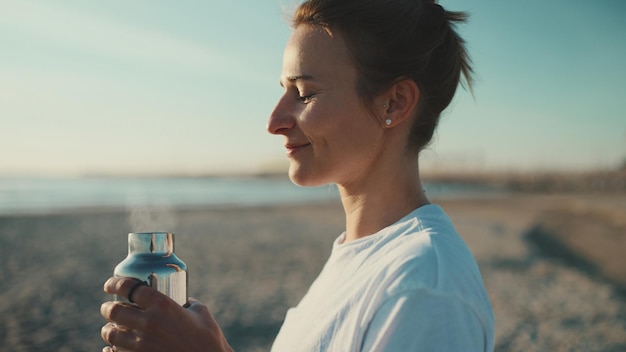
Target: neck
{"points": [[377, 201]]}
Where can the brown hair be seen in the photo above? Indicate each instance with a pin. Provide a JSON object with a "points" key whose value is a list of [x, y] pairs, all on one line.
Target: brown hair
{"points": [[396, 39]]}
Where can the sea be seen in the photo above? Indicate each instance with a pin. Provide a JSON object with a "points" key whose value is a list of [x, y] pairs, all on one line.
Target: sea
{"points": [[41, 195]]}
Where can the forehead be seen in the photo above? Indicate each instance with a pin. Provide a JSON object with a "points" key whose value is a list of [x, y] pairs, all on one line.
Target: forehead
{"points": [[315, 51]]}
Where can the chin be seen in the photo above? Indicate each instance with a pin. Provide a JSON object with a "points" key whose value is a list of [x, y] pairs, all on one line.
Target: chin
{"points": [[304, 179]]}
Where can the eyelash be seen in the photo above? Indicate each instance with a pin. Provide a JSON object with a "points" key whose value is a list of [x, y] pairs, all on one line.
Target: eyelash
{"points": [[306, 98]]}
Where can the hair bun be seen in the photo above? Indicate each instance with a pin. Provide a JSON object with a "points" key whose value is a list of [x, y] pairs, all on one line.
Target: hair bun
{"points": [[433, 16]]}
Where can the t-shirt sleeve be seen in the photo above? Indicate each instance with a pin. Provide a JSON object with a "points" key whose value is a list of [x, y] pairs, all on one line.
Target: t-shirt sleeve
{"points": [[424, 320]]}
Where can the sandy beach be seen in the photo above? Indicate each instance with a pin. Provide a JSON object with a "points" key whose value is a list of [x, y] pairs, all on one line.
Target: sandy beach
{"points": [[552, 264]]}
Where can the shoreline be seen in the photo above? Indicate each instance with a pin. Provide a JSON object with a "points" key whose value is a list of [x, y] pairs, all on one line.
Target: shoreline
{"points": [[50, 198]]}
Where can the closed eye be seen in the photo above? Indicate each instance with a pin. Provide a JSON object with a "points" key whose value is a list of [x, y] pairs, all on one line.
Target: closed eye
{"points": [[306, 98]]}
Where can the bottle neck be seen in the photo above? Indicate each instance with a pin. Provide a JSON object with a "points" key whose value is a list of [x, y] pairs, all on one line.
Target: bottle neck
{"points": [[151, 242]]}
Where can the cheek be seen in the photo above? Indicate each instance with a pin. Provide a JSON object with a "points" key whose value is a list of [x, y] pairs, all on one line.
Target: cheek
{"points": [[366, 139], [317, 122], [340, 126]]}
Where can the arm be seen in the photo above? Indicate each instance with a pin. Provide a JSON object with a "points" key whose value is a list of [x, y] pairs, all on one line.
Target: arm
{"points": [[157, 323], [423, 320]]}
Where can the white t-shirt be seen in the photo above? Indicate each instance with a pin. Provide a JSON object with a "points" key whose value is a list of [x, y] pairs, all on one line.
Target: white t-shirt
{"points": [[413, 286]]}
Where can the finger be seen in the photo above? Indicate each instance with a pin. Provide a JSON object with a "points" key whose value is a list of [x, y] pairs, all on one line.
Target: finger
{"points": [[146, 297], [132, 289], [107, 349], [117, 335], [119, 285], [122, 337], [143, 296], [128, 286], [124, 314]]}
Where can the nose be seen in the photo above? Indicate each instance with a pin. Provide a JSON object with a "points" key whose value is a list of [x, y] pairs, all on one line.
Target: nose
{"points": [[281, 119]]}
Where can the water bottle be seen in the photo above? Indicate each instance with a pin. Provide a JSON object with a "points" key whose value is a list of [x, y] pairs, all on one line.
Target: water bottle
{"points": [[151, 259]]}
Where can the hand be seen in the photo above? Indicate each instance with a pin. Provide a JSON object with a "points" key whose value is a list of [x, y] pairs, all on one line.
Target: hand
{"points": [[157, 323]]}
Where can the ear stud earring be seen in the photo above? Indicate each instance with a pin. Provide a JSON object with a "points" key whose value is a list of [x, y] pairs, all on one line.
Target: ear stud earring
{"points": [[388, 122]]}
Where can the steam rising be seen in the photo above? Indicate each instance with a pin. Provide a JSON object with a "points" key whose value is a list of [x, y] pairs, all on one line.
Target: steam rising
{"points": [[152, 219]]}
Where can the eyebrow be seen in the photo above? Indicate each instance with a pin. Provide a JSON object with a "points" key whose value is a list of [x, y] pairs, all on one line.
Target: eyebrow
{"points": [[300, 78], [293, 79]]}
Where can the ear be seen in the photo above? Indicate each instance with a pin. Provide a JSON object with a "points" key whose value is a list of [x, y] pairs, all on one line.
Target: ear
{"points": [[400, 102]]}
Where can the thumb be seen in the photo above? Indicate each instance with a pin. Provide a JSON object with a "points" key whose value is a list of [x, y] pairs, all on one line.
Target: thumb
{"points": [[212, 329], [196, 306], [191, 302]]}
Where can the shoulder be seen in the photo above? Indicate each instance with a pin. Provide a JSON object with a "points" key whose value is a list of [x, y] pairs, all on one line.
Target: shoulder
{"points": [[425, 268], [424, 251]]}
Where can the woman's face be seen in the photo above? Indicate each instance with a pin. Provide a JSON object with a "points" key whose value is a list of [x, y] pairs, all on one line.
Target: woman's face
{"points": [[330, 136]]}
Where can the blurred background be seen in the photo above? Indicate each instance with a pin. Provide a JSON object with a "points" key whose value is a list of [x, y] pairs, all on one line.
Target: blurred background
{"points": [[91, 87], [137, 116]]}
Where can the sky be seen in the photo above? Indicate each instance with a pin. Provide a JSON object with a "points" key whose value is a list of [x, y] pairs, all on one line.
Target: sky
{"points": [[186, 87]]}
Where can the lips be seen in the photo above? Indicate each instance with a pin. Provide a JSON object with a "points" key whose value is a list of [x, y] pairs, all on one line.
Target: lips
{"points": [[293, 148]]}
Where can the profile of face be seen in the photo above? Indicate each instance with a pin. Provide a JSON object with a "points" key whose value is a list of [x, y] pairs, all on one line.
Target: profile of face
{"points": [[330, 136]]}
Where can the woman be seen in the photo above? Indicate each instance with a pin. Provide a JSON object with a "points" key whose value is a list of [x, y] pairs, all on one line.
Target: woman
{"points": [[365, 82]]}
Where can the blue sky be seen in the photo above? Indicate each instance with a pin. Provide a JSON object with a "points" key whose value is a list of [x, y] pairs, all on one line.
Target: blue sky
{"points": [[186, 87]]}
